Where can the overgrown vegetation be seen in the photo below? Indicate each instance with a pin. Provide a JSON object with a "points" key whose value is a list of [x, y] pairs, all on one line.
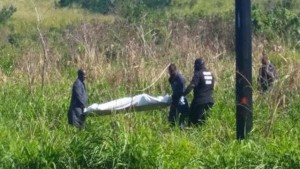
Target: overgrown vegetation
{"points": [[124, 54], [105, 6], [5, 13], [277, 21]]}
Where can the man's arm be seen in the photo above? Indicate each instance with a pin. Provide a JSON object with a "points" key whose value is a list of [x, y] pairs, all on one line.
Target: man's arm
{"points": [[195, 81], [188, 89]]}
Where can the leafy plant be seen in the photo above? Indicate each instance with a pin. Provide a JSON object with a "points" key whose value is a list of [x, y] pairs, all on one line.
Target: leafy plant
{"points": [[276, 23], [6, 12]]}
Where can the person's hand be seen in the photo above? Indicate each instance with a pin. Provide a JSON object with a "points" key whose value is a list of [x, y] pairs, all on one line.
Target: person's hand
{"points": [[181, 101]]}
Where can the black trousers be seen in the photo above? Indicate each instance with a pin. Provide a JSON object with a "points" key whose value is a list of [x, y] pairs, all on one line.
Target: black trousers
{"points": [[178, 112], [76, 117], [199, 113]]}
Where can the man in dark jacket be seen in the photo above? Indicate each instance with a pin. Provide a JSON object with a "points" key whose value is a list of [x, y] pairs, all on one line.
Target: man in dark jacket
{"points": [[203, 85], [267, 74], [78, 101], [179, 105]]}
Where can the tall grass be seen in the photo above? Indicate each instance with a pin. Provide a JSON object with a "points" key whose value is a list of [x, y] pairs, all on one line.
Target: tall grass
{"points": [[121, 59], [35, 134]]}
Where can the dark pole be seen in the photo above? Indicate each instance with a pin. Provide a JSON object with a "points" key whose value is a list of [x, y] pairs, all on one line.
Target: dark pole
{"points": [[243, 68]]}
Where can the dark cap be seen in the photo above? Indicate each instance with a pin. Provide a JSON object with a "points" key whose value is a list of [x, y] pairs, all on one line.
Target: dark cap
{"points": [[199, 63]]}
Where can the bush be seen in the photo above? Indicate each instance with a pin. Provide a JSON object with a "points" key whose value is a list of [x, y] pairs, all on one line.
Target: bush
{"points": [[6, 12], [279, 22], [102, 6], [132, 8]]}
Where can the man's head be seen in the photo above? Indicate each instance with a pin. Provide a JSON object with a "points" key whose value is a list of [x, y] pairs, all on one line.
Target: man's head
{"points": [[264, 59], [199, 64], [172, 70], [81, 74]]}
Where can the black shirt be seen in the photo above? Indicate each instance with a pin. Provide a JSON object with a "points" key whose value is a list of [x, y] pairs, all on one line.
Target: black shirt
{"points": [[178, 86], [204, 82], [79, 94], [266, 76]]}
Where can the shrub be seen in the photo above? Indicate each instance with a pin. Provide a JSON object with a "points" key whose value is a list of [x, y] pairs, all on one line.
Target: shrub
{"points": [[280, 22], [6, 12]]}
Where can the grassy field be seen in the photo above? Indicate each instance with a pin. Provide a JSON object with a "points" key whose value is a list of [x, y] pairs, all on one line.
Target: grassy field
{"points": [[121, 59], [50, 14]]}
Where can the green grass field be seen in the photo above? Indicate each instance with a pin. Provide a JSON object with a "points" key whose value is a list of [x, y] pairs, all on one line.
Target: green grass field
{"points": [[120, 60], [50, 15]]}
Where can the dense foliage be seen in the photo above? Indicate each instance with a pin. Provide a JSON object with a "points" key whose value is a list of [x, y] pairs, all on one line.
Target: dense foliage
{"points": [[124, 51], [5, 13], [274, 20], [105, 6], [277, 21]]}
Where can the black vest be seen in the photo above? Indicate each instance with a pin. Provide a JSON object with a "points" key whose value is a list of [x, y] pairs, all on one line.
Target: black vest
{"points": [[204, 85]]}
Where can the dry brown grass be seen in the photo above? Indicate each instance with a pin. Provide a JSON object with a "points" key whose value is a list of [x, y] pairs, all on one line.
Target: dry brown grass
{"points": [[281, 94], [134, 56]]}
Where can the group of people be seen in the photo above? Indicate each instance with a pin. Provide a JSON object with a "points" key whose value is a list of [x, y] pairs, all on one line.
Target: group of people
{"points": [[202, 85]]}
